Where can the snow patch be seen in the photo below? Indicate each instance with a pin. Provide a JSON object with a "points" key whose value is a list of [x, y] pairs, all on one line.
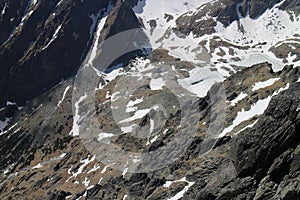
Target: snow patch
{"points": [[241, 96], [4, 9], [264, 84], [248, 126], [102, 136], [84, 162], [257, 109], [157, 84], [182, 192], [77, 118], [37, 166], [131, 105], [200, 81], [53, 37], [139, 114], [64, 95], [3, 125]]}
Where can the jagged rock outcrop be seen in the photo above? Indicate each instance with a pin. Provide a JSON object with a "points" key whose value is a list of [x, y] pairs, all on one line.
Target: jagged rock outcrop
{"points": [[41, 157], [41, 44], [114, 27], [205, 19], [261, 162]]}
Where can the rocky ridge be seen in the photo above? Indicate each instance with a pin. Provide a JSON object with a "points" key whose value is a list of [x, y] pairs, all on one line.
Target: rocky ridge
{"points": [[256, 157]]}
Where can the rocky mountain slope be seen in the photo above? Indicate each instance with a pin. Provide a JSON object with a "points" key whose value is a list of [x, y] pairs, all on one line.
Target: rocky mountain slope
{"points": [[144, 99]]}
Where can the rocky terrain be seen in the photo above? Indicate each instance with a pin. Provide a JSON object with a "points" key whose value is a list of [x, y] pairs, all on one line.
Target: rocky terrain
{"points": [[203, 106]]}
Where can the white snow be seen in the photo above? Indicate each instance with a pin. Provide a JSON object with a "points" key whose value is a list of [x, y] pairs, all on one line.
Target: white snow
{"points": [[200, 81], [105, 168], [128, 129], [182, 192], [86, 182], [131, 105], [115, 73], [264, 84], [95, 45], [125, 197], [3, 125], [157, 84], [8, 103], [161, 36], [37, 166], [274, 25], [251, 59], [154, 139], [84, 162], [125, 172], [64, 95], [76, 118], [98, 32], [248, 126], [4, 9], [102, 136], [100, 180], [257, 109], [53, 37], [1, 109], [137, 115], [34, 2], [241, 96], [60, 2], [63, 155], [95, 168], [287, 86]]}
